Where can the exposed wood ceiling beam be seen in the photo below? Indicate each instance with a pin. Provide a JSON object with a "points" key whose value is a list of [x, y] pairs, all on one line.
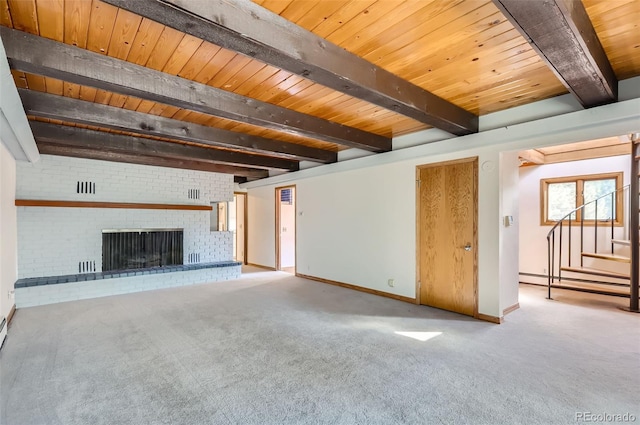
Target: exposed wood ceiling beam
{"points": [[46, 148], [41, 56], [579, 155], [114, 147], [77, 111], [250, 29], [533, 156], [562, 34]]}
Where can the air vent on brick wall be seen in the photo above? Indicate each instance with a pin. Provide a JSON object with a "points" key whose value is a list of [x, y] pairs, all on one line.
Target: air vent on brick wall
{"points": [[86, 267], [194, 193], [194, 258], [86, 187]]}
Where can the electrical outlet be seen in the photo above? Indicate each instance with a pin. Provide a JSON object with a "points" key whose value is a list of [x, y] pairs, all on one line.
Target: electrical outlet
{"points": [[10, 294], [544, 271], [391, 282]]}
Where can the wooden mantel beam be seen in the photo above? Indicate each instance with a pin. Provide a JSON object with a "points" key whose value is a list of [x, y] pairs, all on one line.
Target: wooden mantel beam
{"points": [[38, 55], [562, 34], [254, 31], [67, 109]]}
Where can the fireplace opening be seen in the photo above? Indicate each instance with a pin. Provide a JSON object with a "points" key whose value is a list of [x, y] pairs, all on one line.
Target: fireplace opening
{"points": [[126, 249]]}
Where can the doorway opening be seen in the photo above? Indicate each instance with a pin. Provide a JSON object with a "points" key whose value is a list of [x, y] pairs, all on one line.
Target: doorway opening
{"points": [[286, 229], [578, 195], [238, 224]]}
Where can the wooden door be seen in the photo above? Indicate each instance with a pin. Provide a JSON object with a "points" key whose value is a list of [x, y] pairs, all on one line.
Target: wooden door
{"points": [[447, 235]]}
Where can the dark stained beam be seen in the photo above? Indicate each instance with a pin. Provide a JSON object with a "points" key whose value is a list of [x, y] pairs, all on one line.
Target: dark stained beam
{"points": [[78, 111], [46, 148], [41, 56], [116, 144], [562, 34], [254, 31]]}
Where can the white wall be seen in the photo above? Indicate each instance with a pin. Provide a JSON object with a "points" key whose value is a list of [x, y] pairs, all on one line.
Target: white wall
{"points": [[356, 221], [52, 241], [240, 215], [358, 227], [509, 235], [533, 249], [8, 231], [261, 219]]}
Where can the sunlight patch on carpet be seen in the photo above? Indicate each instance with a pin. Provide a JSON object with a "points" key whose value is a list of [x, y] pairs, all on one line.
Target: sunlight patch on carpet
{"points": [[420, 336]]}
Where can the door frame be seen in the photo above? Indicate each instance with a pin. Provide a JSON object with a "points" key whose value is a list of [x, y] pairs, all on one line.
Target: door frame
{"points": [[295, 226], [475, 160], [245, 221]]}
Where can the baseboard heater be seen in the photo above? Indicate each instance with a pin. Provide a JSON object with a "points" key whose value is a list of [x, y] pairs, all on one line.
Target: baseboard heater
{"points": [[3, 331]]}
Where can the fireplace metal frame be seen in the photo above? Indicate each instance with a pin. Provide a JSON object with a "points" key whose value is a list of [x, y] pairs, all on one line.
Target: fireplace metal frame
{"points": [[119, 260]]}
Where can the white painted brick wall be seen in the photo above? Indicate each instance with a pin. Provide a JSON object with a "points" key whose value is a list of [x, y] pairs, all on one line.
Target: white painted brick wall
{"points": [[51, 294], [55, 178], [51, 241]]}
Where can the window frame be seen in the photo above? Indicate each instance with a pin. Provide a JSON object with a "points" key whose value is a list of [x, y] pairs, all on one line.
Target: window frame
{"points": [[579, 181], [221, 221]]}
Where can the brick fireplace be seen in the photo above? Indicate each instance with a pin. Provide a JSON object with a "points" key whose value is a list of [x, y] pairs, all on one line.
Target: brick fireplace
{"points": [[93, 198]]}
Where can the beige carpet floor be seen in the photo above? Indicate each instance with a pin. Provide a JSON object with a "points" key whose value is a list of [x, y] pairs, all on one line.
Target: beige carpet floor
{"points": [[272, 348]]}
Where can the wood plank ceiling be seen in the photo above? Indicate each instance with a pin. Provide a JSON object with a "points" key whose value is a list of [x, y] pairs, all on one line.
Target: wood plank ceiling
{"points": [[465, 52]]}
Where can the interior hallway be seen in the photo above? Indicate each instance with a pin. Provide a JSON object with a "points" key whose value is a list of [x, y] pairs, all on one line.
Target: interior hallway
{"points": [[272, 348]]}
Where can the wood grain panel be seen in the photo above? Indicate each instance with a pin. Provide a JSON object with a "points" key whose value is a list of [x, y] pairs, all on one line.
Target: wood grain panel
{"points": [[197, 62], [101, 25], [24, 15], [616, 23], [463, 51], [88, 93], [225, 64], [77, 15], [447, 223], [456, 40], [5, 15], [51, 18], [278, 5], [376, 12], [348, 11], [118, 100], [55, 86], [71, 90], [20, 79], [36, 82], [144, 42], [123, 34], [103, 97], [167, 43], [260, 79], [319, 13], [186, 49]]}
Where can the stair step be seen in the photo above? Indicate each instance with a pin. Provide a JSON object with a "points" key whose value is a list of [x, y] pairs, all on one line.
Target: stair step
{"points": [[595, 272], [593, 289], [611, 257], [624, 242]]}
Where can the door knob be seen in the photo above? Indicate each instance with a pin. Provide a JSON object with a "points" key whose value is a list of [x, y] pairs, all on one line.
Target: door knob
{"points": [[467, 247]]}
